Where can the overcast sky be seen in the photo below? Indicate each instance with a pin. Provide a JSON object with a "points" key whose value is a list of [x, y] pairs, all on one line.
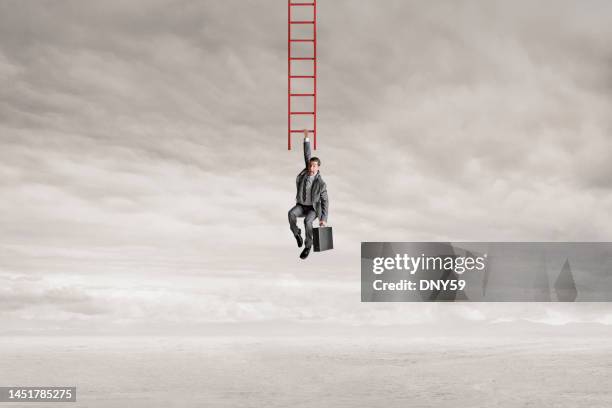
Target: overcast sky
{"points": [[145, 180]]}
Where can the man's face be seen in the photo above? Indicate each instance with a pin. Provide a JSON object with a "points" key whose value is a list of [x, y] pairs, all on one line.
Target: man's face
{"points": [[313, 167]]}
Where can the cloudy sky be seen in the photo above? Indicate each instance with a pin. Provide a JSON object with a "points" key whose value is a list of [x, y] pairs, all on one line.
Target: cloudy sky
{"points": [[145, 180]]}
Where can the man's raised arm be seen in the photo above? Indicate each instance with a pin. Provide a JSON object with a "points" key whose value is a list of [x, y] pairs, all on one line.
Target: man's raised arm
{"points": [[307, 154]]}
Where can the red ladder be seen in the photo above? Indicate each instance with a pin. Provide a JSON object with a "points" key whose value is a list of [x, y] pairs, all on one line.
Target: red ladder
{"points": [[313, 94]]}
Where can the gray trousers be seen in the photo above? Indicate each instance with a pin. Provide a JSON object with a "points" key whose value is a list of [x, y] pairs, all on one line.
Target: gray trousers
{"points": [[309, 214]]}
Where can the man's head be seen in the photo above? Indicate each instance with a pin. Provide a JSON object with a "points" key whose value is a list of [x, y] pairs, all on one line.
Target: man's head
{"points": [[313, 166]]}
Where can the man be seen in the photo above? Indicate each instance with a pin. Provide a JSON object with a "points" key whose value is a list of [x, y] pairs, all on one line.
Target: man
{"points": [[311, 199]]}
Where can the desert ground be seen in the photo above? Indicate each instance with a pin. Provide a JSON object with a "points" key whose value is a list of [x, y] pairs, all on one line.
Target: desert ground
{"points": [[242, 371]]}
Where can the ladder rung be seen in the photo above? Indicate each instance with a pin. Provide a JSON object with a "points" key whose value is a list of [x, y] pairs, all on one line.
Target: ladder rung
{"points": [[301, 59], [302, 113], [301, 22], [302, 94], [301, 76], [302, 40], [301, 4], [301, 131]]}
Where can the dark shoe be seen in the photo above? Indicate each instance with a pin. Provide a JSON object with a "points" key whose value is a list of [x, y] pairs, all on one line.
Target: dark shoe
{"points": [[299, 240], [305, 253]]}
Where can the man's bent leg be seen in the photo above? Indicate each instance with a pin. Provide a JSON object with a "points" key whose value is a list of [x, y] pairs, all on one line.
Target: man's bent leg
{"points": [[295, 212], [310, 217]]}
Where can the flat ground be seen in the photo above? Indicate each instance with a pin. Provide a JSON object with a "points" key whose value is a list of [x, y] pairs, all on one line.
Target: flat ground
{"points": [[314, 372]]}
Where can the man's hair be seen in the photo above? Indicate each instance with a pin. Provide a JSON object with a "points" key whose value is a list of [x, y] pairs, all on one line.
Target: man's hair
{"points": [[316, 159]]}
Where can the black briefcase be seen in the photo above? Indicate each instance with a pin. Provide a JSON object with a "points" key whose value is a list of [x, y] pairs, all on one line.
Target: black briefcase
{"points": [[322, 239]]}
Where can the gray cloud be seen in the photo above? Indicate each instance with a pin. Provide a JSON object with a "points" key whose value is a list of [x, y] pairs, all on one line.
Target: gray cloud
{"points": [[149, 138]]}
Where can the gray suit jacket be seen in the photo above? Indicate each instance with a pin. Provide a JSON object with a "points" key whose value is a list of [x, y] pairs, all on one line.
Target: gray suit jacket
{"points": [[320, 202]]}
